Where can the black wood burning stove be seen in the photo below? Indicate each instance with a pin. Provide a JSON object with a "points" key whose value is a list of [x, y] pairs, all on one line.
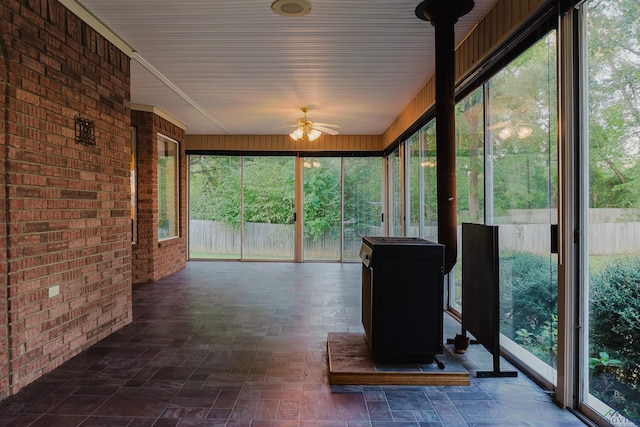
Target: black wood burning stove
{"points": [[402, 298]]}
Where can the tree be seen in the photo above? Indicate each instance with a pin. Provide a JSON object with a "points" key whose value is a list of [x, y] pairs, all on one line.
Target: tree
{"points": [[522, 124], [322, 197], [614, 102]]}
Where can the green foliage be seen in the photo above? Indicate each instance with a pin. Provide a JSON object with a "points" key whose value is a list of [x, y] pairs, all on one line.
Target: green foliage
{"points": [[268, 190], [362, 193], [615, 310], [614, 102], [522, 124], [322, 198], [603, 361], [614, 321], [528, 307], [214, 188], [528, 303], [530, 282]]}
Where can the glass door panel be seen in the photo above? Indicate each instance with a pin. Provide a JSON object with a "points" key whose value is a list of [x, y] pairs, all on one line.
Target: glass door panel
{"points": [[362, 195], [214, 207], [395, 193], [428, 165], [470, 174], [612, 290], [521, 127], [268, 207], [322, 178], [413, 203]]}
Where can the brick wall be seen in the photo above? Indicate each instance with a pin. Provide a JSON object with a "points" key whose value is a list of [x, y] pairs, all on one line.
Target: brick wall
{"points": [[4, 295], [152, 258], [68, 205]]}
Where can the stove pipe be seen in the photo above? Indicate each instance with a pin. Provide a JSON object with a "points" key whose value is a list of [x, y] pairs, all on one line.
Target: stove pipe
{"points": [[443, 14]]}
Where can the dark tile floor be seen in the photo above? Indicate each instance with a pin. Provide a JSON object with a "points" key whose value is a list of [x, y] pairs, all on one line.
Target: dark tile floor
{"points": [[244, 344]]}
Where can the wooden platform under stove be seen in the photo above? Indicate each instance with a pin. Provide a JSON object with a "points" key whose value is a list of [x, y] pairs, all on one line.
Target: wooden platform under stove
{"points": [[351, 362]]}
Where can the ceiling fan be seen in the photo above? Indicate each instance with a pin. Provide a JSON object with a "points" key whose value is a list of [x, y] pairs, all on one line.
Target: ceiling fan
{"points": [[312, 130]]}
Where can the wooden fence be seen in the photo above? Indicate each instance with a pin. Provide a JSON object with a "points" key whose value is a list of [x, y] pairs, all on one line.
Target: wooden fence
{"points": [[615, 235]]}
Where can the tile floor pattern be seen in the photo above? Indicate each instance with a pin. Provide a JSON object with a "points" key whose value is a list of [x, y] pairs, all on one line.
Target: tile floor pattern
{"points": [[244, 344]]}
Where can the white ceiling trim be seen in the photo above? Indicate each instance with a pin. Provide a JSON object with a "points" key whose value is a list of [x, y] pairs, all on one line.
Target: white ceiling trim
{"points": [[90, 19], [177, 90]]}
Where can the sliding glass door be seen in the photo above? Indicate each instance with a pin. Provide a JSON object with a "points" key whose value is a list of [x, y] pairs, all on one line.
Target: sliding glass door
{"points": [[469, 178], [362, 198], [395, 193], [245, 208], [268, 207], [611, 295], [214, 207], [322, 178], [521, 130]]}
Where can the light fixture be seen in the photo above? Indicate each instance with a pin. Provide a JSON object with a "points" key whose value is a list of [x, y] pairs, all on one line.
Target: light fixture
{"points": [[310, 131], [314, 134], [84, 131], [524, 132], [507, 129], [428, 164], [308, 164], [305, 130], [505, 132], [297, 134], [291, 7]]}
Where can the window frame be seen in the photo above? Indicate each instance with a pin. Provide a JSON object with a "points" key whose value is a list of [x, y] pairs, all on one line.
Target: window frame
{"points": [[174, 221]]}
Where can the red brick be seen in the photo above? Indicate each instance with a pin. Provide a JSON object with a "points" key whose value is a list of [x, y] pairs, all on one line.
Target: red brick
{"points": [[57, 70]]}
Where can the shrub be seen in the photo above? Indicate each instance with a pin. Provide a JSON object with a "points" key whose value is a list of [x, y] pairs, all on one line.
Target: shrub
{"points": [[615, 309], [529, 282], [528, 303], [614, 326]]}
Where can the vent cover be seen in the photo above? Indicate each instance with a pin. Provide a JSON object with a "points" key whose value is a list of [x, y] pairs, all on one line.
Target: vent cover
{"points": [[291, 7]]}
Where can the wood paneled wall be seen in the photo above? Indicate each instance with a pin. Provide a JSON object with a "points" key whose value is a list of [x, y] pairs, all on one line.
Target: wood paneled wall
{"points": [[505, 18], [282, 143]]}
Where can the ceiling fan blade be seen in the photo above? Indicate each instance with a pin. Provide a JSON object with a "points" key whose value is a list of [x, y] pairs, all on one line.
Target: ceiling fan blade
{"points": [[286, 126], [324, 129], [330, 125]]}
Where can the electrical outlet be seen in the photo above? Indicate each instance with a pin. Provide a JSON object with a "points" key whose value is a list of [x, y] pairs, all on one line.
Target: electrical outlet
{"points": [[54, 291]]}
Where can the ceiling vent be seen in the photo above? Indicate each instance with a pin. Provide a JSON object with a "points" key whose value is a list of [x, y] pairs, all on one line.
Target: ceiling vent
{"points": [[291, 7]]}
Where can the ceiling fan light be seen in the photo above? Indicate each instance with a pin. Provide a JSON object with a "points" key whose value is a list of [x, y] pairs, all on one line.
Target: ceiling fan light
{"points": [[314, 134], [297, 134], [524, 132], [505, 133]]}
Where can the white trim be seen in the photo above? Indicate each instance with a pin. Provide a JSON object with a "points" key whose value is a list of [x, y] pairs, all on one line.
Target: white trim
{"points": [[164, 79], [91, 20], [541, 372], [160, 113]]}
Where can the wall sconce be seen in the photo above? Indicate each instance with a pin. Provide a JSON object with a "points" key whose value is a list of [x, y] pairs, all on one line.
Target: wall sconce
{"points": [[84, 131]]}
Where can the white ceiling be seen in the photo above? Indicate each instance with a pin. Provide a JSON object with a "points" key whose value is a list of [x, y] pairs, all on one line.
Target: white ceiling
{"points": [[234, 67]]}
